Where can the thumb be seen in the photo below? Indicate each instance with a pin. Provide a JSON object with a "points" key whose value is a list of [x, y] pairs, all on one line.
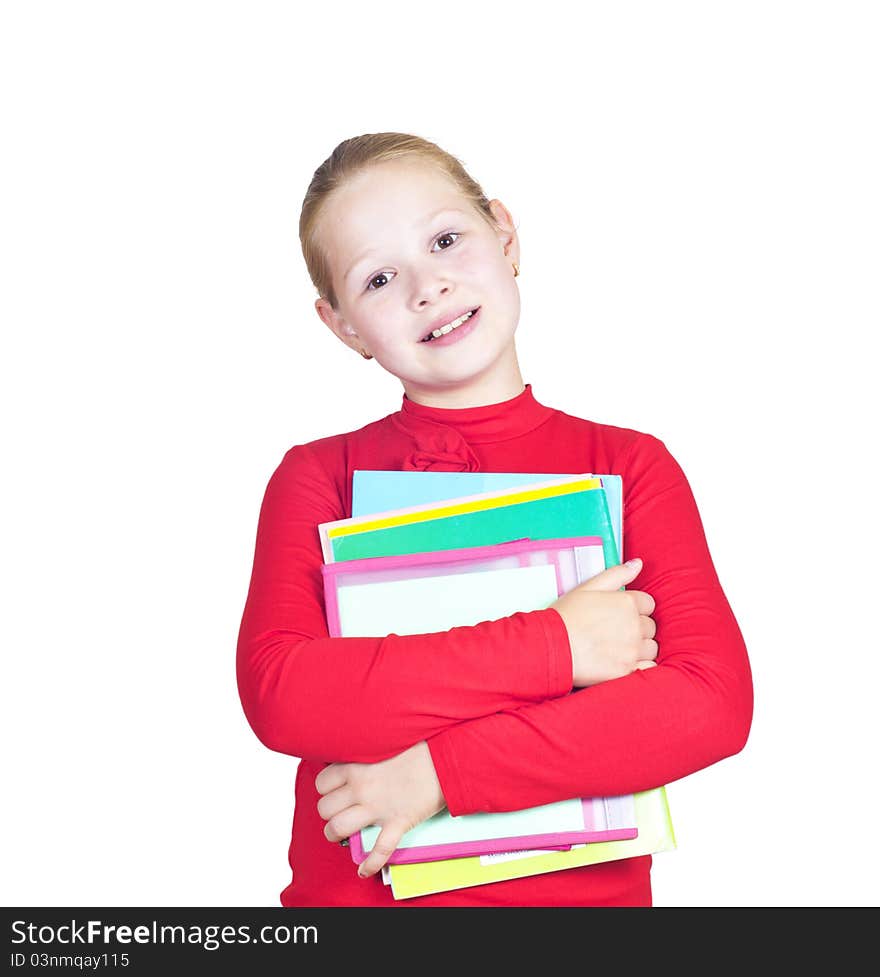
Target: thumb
{"points": [[614, 577]]}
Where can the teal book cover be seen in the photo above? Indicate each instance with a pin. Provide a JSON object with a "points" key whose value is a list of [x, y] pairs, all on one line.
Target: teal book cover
{"points": [[383, 490], [581, 512]]}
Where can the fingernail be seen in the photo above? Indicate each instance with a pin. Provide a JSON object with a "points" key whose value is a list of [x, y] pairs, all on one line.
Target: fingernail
{"points": [[634, 563]]}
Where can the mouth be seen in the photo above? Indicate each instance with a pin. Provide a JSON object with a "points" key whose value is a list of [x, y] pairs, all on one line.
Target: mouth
{"points": [[450, 326]]}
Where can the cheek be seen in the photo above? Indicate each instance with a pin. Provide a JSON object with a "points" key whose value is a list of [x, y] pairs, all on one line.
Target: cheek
{"points": [[476, 259], [386, 342], [489, 278]]}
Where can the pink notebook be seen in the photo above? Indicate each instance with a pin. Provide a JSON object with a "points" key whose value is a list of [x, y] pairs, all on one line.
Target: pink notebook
{"points": [[422, 593]]}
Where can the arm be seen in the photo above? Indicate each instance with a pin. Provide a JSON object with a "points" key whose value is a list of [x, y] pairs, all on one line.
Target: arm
{"points": [[610, 634], [365, 699], [637, 732]]}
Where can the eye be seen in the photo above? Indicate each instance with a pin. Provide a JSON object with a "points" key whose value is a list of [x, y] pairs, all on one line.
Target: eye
{"points": [[376, 278], [449, 235], [384, 277]]}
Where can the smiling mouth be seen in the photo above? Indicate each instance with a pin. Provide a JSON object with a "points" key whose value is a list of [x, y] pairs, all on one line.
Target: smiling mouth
{"points": [[449, 327]]}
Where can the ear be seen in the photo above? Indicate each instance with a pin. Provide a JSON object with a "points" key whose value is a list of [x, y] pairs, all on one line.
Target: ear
{"points": [[338, 325], [506, 230]]}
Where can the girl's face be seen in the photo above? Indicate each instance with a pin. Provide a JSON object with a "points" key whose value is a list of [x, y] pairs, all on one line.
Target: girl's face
{"points": [[408, 254]]}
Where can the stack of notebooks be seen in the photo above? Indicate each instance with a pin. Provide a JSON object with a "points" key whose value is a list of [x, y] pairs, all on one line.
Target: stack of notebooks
{"points": [[491, 544]]}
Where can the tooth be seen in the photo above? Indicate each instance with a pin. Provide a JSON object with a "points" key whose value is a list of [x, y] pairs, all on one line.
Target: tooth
{"points": [[443, 330]]}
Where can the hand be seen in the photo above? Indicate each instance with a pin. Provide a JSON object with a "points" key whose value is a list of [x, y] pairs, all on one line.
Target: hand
{"points": [[396, 794], [610, 631]]}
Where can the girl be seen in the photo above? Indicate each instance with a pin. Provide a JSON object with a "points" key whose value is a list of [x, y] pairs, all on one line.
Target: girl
{"points": [[416, 269]]}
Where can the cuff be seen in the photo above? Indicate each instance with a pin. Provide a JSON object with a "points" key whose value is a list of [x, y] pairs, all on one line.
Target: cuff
{"points": [[560, 669], [451, 782]]}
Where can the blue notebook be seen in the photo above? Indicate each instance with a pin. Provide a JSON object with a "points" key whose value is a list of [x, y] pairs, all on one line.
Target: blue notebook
{"points": [[380, 491]]}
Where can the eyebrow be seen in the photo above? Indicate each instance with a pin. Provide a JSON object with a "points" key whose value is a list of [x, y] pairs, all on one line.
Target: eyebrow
{"points": [[369, 251]]}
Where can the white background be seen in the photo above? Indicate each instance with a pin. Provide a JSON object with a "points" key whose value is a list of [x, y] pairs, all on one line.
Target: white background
{"points": [[695, 186]]}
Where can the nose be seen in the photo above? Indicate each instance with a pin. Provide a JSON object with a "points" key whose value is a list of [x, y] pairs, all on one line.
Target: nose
{"points": [[429, 287]]}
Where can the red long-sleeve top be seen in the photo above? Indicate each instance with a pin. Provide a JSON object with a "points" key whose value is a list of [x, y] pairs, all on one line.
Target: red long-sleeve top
{"points": [[494, 701]]}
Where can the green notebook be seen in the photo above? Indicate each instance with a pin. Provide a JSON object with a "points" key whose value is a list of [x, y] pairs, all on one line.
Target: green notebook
{"points": [[579, 513]]}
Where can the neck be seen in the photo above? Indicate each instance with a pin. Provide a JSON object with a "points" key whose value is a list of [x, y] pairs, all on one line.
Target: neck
{"points": [[493, 387]]}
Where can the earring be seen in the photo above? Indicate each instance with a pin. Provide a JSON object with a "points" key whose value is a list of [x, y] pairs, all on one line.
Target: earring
{"points": [[361, 349], [515, 269]]}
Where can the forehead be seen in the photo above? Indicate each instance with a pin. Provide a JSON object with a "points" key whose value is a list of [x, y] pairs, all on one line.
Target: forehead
{"points": [[386, 199]]}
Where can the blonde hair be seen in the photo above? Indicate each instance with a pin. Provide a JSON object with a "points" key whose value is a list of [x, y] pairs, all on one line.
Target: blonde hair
{"points": [[355, 155]]}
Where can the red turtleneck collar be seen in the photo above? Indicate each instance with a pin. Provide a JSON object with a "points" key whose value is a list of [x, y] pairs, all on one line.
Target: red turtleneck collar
{"points": [[442, 434], [492, 422]]}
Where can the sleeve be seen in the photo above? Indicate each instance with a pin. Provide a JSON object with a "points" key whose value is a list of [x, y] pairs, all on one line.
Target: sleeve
{"points": [[637, 732], [365, 699]]}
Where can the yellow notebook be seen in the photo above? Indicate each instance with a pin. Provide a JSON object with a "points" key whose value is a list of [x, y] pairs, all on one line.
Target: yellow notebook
{"points": [[340, 538], [655, 835]]}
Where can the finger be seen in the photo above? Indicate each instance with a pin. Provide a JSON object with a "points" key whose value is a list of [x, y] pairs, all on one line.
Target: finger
{"points": [[337, 800], [332, 776], [643, 665], [347, 822], [645, 603], [386, 843], [648, 627], [614, 577], [648, 650]]}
